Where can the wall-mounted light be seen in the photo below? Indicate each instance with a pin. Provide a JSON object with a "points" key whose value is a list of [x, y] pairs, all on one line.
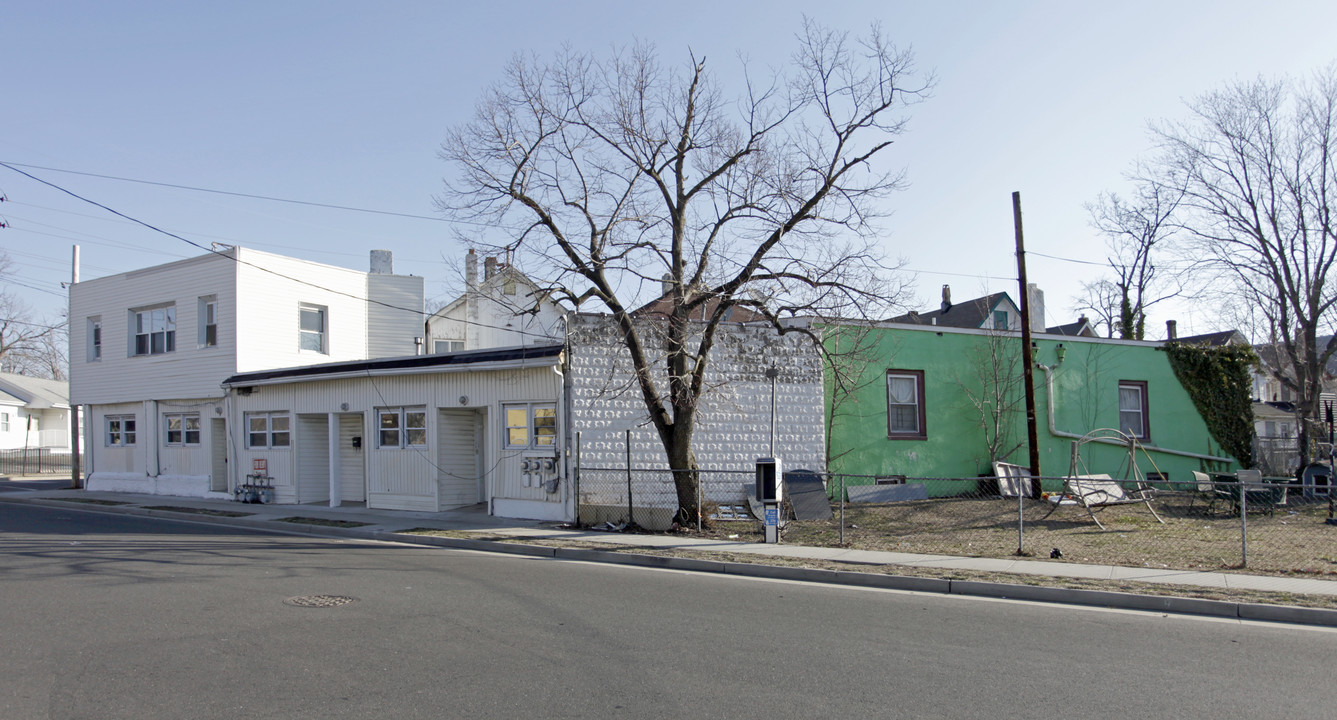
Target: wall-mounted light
{"points": [[1061, 352]]}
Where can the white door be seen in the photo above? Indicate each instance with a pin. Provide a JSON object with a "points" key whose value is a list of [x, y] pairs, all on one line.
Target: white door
{"points": [[352, 460], [313, 459], [218, 455], [457, 457]]}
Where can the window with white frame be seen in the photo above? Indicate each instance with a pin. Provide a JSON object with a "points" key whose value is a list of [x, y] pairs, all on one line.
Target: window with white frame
{"points": [[530, 425], [906, 417], [208, 321], [95, 338], [401, 427], [268, 430], [313, 329], [120, 430], [447, 346], [153, 330], [181, 429], [4, 422], [1133, 408]]}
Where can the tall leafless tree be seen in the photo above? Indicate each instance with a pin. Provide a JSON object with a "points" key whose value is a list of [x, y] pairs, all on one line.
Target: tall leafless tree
{"points": [[1136, 232], [1258, 160], [25, 339], [607, 175]]}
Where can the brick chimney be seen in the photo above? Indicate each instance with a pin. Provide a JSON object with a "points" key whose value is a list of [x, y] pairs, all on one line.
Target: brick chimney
{"points": [[489, 268], [946, 298], [1171, 330]]}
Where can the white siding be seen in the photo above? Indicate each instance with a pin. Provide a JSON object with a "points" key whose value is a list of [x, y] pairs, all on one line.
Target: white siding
{"points": [[395, 317], [188, 372], [407, 478]]}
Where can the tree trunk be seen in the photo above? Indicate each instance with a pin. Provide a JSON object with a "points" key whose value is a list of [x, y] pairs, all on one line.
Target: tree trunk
{"points": [[686, 478]]}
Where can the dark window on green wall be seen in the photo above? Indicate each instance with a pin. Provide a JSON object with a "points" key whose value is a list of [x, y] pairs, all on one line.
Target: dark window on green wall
{"points": [[905, 405], [1133, 409]]}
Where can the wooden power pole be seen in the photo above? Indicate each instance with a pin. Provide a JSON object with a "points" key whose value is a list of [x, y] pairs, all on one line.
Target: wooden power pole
{"points": [[1032, 432]]}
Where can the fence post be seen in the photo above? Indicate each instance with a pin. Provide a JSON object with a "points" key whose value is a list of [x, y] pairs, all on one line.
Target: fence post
{"points": [[1244, 525], [631, 517], [577, 478], [699, 494], [1021, 517], [842, 511]]}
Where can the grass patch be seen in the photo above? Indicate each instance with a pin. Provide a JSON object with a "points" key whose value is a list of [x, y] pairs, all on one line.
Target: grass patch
{"points": [[322, 522], [199, 511], [92, 501]]}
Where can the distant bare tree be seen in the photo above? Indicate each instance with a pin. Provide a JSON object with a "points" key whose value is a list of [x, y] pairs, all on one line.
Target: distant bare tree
{"points": [[606, 173], [1258, 160], [1136, 231], [23, 336]]}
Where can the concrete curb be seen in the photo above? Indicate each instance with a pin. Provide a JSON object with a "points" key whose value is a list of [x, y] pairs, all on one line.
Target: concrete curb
{"points": [[966, 588]]}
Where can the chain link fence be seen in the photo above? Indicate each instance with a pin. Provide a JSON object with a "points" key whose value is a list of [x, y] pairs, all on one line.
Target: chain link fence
{"points": [[1215, 522], [34, 461]]}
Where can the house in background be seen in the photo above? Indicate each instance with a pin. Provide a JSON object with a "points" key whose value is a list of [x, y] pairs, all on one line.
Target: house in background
{"points": [[995, 311], [149, 350], [912, 413], [34, 413], [504, 309]]}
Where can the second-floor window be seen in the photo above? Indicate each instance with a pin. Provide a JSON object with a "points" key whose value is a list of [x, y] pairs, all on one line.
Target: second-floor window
{"points": [[313, 329], [447, 346], [94, 339], [4, 422], [155, 331], [182, 428], [208, 321]]}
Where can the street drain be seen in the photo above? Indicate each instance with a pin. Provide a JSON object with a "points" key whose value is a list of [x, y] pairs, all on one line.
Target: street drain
{"points": [[319, 601]]}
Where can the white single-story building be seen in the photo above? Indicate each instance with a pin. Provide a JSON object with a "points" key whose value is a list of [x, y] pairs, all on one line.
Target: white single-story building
{"points": [[425, 433]]}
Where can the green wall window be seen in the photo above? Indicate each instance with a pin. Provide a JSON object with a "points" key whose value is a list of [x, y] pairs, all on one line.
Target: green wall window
{"points": [[905, 405], [1133, 409]]}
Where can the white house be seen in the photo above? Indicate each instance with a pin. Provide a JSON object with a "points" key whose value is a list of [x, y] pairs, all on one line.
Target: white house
{"points": [[34, 413], [504, 309], [149, 350]]}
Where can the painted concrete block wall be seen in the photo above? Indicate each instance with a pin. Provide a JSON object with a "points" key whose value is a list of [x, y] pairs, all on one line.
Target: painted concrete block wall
{"points": [[733, 424], [1086, 398]]}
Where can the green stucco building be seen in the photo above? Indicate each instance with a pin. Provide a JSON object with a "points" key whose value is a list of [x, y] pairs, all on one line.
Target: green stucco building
{"points": [[925, 401]]}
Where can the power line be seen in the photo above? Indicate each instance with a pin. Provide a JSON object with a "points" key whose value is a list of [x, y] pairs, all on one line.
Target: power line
{"points": [[251, 196], [32, 324], [419, 312]]}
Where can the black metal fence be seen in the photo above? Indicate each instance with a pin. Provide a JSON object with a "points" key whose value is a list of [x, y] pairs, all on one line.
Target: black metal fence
{"points": [[1218, 522], [34, 461]]}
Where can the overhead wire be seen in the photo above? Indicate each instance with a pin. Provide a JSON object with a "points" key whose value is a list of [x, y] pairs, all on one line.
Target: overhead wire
{"points": [[415, 311]]}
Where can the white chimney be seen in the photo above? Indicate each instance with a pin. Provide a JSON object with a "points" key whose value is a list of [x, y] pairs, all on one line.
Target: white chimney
{"points": [[382, 262], [471, 270], [1037, 308]]}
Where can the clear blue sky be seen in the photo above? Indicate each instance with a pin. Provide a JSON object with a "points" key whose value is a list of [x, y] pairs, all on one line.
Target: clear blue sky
{"points": [[345, 103]]}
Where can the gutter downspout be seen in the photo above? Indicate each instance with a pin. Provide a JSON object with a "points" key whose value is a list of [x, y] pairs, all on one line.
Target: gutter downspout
{"points": [[1053, 429]]}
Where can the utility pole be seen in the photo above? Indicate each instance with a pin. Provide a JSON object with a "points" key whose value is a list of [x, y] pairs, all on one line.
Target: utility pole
{"points": [[1032, 433], [76, 474]]}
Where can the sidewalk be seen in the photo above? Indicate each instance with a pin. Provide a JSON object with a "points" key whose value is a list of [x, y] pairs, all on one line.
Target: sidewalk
{"points": [[390, 525]]}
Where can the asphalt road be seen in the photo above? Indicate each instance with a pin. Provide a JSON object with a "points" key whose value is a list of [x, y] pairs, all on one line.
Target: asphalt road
{"points": [[111, 616]]}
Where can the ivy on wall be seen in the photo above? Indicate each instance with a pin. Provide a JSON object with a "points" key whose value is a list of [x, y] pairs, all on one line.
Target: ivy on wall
{"points": [[1217, 380]]}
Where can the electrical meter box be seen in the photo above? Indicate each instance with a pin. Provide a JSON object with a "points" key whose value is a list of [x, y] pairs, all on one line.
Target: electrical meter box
{"points": [[770, 480]]}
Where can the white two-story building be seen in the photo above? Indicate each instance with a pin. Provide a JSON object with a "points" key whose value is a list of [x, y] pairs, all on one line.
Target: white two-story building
{"points": [[149, 350]]}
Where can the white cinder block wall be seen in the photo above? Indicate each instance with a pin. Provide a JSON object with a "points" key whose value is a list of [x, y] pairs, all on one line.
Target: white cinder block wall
{"points": [[733, 424]]}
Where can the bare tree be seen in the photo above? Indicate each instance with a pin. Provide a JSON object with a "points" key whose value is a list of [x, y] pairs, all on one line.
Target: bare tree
{"points": [[1258, 160], [994, 390], [23, 336], [1102, 299], [1135, 230], [606, 174]]}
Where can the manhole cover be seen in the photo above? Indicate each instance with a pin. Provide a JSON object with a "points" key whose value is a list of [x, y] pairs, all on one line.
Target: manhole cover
{"points": [[319, 601]]}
